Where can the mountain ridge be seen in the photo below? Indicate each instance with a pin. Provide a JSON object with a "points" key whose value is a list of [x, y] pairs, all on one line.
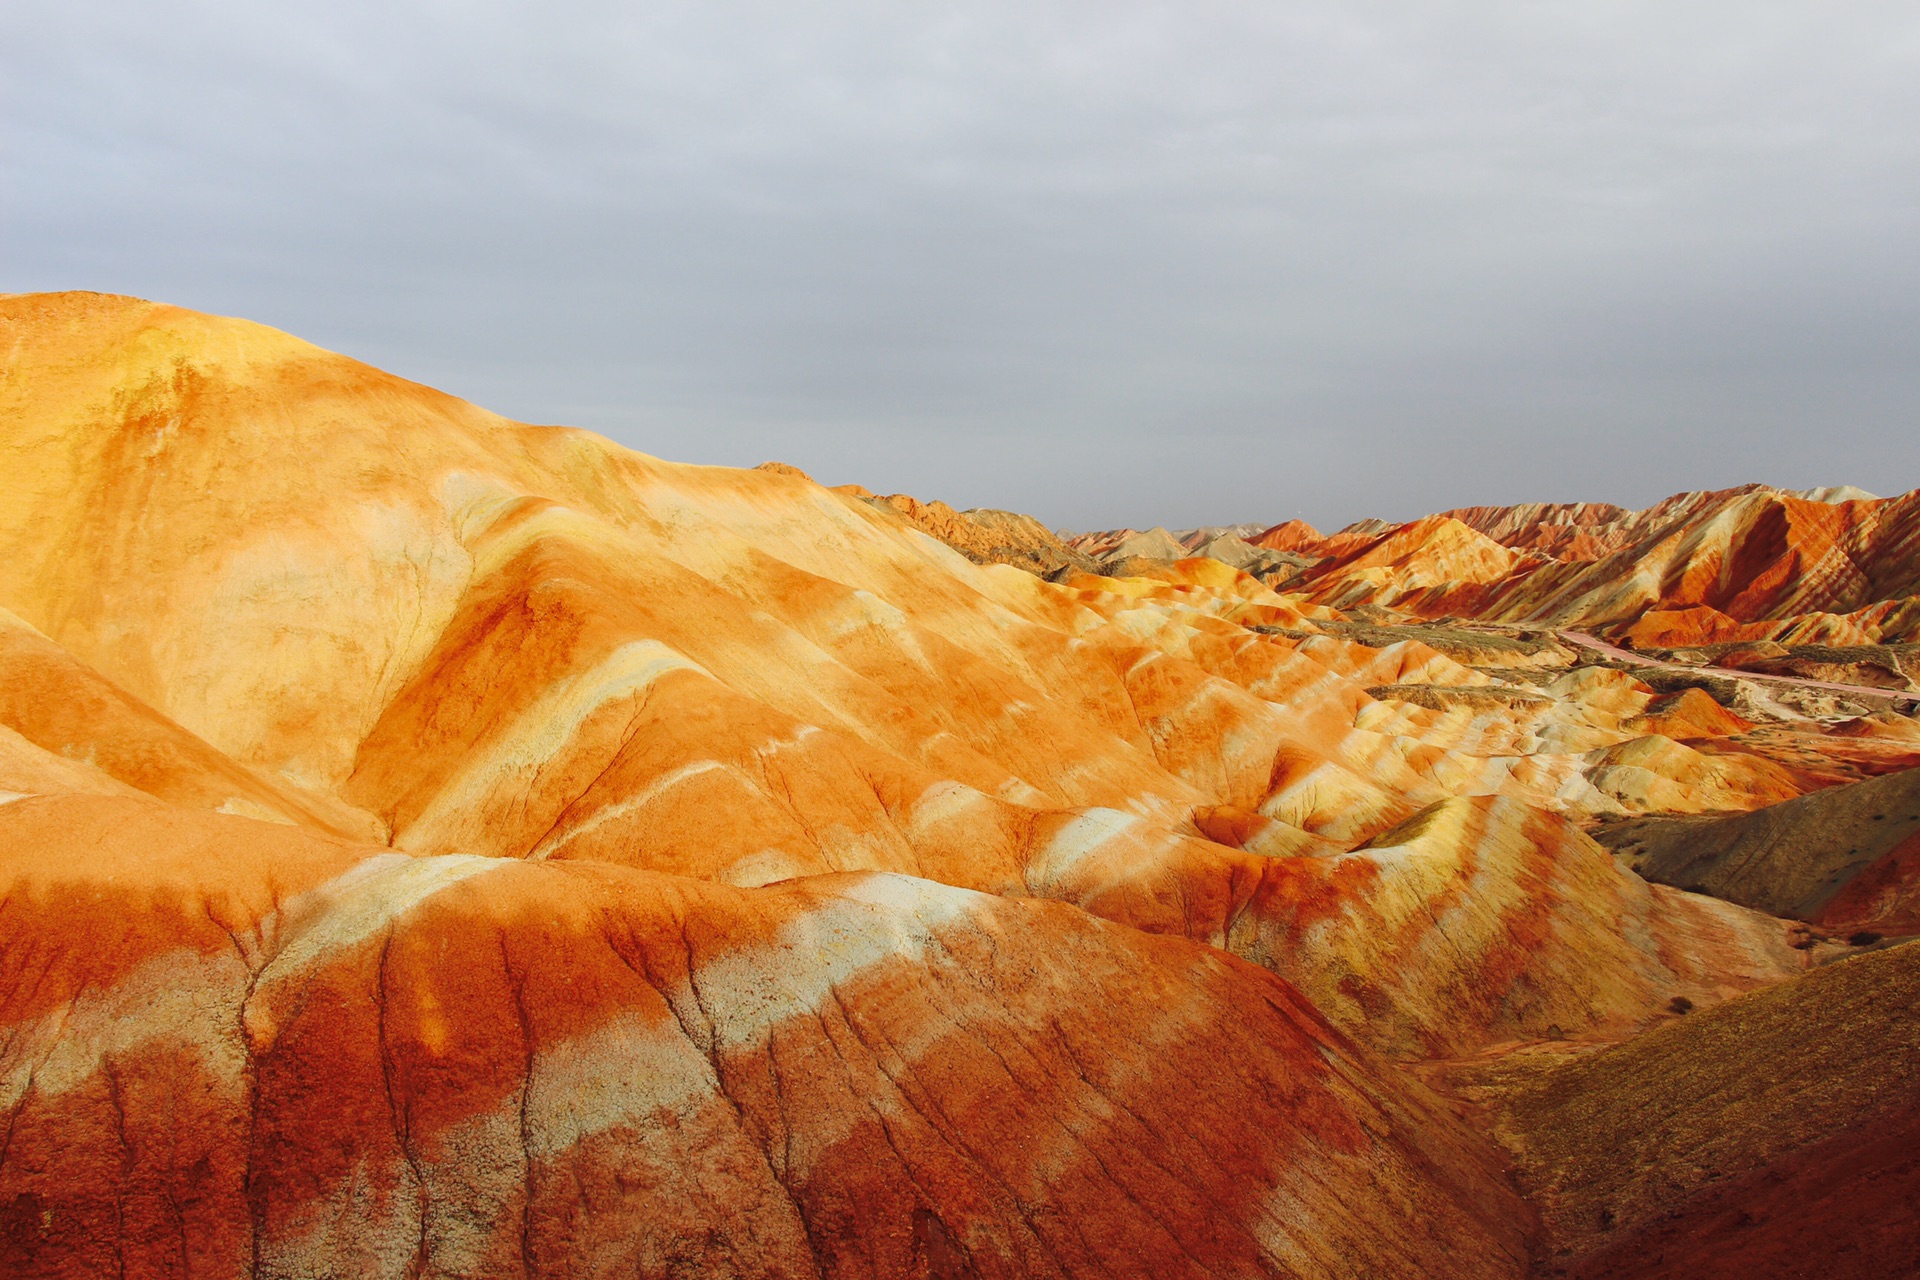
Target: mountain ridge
{"points": [[433, 844]]}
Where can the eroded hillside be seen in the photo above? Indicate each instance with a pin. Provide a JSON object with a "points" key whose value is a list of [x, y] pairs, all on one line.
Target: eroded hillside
{"points": [[441, 845]]}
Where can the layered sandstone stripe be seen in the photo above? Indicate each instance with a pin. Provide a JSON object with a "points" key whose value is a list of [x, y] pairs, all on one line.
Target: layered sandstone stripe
{"points": [[650, 867], [467, 636], [1753, 563], [289, 1056]]}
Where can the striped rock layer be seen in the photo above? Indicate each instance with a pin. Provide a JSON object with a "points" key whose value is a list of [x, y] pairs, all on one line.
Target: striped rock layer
{"points": [[1833, 567], [436, 845], [286, 1055]]}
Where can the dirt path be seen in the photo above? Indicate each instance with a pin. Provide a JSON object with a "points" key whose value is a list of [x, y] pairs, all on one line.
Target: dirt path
{"points": [[1585, 641]]}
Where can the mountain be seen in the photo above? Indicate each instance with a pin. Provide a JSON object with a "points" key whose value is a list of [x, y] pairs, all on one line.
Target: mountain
{"points": [[982, 535], [1754, 563], [1156, 552], [1290, 535], [437, 845]]}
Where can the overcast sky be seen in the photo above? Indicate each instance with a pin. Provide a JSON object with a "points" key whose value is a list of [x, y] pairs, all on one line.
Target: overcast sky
{"points": [[1111, 263]]}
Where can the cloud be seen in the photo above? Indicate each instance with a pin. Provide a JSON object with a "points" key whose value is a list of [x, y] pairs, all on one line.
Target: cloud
{"points": [[1111, 263]]}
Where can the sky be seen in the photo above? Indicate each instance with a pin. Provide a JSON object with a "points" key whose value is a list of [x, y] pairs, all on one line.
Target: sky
{"points": [[1109, 263]]}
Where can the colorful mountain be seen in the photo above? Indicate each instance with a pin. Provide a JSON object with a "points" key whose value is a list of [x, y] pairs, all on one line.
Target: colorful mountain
{"points": [[1746, 564], [436, 845]]}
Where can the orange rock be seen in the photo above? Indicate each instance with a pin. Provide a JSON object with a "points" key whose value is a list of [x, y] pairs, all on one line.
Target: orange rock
{"points": [[1290, 535], [1752, 563], [984, 536], [688, 868], [1691, 713], [1679, 628], [295, 1058]]}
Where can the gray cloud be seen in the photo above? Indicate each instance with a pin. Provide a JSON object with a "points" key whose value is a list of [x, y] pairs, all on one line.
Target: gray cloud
{"points": [[1110, 263]]}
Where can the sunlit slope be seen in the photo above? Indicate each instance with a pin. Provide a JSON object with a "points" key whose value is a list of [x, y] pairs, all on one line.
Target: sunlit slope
{"points": [[65, 727], [431, 844], [376, 591], [416, 621], [268, 542], [1830, 567], [1480, 920], [284, 1055]]}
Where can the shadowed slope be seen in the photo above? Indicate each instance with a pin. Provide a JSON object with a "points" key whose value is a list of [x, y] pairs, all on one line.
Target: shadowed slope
{"points": [[1847, 857], [1774, 1135]]}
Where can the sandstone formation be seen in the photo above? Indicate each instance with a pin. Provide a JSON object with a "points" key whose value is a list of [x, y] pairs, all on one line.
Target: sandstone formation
{"points": [[1193, 539], [1129, 553], [1826, 567], [436, 845], [982, 535], [291, 1056], [1289, 535]]}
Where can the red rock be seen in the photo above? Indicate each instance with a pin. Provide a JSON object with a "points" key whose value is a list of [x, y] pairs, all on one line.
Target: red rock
{"points": [[670, 869], [1290, 535], [298, 1057], [1752, 563]]}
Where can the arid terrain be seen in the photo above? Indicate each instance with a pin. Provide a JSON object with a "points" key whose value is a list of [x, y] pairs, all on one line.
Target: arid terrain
{"points": [[434, 845]]}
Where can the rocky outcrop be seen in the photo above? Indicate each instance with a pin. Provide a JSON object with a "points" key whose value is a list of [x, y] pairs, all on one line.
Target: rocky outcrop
{"points": [[1800, 586], [1290, 535], [1127, 544], [1745, 564], [1126, 553]]}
